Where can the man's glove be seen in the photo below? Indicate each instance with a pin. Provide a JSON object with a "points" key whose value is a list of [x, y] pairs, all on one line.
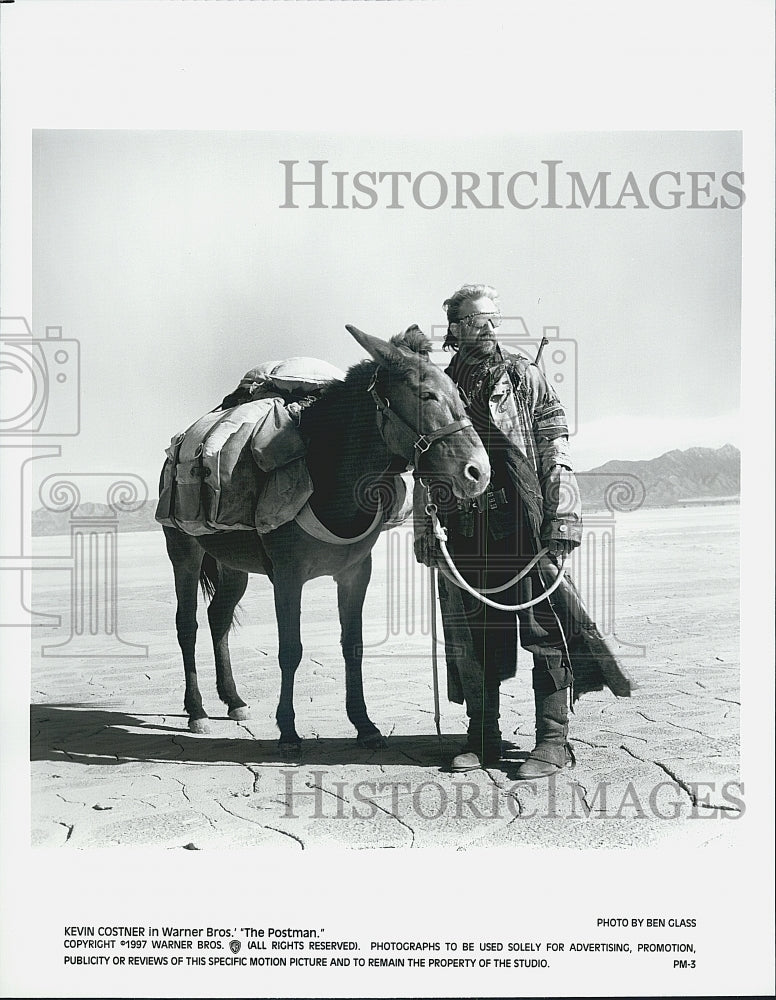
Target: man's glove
{"points": [[427, 550], [558, 548]]}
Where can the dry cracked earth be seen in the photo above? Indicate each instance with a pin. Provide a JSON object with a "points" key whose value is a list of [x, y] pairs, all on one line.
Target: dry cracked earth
{"points": [[113, 763]]}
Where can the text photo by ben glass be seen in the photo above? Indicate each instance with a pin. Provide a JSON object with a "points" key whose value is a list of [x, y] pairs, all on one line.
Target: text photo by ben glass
{"points": [[238, 202]]}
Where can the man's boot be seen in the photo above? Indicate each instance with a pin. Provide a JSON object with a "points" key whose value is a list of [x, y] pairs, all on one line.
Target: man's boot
{"points": [[483, 743], [552, 751], [478, 752]]}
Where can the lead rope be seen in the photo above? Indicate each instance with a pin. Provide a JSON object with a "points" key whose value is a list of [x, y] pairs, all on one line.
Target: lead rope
{"points": [[440, 533], [434, 662]]}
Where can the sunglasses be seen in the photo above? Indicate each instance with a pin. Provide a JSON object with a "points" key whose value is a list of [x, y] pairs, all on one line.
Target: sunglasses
{"points": [[477, 321]]}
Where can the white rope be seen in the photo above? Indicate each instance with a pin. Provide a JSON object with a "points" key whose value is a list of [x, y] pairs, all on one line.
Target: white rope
{"points": [[440, 533], [518, 576], [434, 663]]}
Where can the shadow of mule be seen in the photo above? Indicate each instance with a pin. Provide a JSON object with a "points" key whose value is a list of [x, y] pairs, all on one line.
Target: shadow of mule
{"points": [[81, 734]]}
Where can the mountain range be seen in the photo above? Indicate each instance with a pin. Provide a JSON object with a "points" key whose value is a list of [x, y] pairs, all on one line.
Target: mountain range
{"points": [[693, 476], [690, 476]]}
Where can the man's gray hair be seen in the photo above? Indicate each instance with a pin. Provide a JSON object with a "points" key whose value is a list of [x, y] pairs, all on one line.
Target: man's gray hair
{"points": [[452, 306]]}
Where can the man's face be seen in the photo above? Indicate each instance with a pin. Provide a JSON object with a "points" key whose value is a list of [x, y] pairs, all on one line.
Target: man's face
{"points": [[476, 327]]}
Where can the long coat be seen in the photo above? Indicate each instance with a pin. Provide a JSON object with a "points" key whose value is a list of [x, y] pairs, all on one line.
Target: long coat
{"points": [[524, 429]]}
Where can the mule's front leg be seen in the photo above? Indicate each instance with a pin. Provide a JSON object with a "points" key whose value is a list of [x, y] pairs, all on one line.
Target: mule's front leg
{"points": [[351, 591], [229, 590], [288, 609]]}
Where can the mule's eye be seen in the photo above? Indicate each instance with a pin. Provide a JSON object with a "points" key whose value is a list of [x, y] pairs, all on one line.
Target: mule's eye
{"points": [[429, 396]]}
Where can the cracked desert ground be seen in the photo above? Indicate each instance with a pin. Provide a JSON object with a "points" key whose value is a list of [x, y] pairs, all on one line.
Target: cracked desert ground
{"points": [[113, 763]]}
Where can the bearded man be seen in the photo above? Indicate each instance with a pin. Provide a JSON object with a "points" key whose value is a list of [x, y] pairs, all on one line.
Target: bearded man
{"points": [[532, 502]]}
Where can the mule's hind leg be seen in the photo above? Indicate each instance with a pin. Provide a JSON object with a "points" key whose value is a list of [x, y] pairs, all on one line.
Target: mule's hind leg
{"points": [[186, 558], [351, 591], [230, 588], [288, 609]]}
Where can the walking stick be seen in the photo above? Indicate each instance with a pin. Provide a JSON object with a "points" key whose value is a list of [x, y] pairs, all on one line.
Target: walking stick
{"points": [[434, 663]]}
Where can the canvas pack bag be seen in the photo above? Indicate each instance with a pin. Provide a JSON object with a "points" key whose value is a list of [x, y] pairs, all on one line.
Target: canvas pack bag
{"points": [[243, 467], [211, 481], [279, 451]]}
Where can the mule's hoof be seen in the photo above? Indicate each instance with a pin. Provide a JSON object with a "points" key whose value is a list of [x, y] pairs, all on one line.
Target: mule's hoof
{"points": [[199, 725], [240, 714], [374, 741], [290, 742]]}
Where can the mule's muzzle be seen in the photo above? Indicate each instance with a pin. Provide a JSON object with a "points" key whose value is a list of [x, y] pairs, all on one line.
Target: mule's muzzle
{"points": [[472, 481], [477, 477]]}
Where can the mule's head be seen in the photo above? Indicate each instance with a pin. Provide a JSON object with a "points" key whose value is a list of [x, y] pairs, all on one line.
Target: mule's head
{"points": [[422, 414]]}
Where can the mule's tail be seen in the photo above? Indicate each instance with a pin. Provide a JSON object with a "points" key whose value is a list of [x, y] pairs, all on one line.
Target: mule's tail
{"points": [[208, 576], [208, 581]]}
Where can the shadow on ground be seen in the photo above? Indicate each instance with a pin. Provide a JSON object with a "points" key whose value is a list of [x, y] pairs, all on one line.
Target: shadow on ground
{"points": [[88, 735]]}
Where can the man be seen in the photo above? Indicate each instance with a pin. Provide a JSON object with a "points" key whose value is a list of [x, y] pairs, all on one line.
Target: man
{"points": [[532, 501]]}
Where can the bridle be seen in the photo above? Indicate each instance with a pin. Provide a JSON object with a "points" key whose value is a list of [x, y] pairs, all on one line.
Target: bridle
{"points": [[308, 521], [423, 442]]}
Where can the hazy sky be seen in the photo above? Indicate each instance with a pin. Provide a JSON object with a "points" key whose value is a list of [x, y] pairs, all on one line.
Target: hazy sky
{"points": [[168, 256]]}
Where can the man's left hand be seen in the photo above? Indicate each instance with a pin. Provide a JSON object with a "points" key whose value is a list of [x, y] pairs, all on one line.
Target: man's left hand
{"points": [[558, 549]]}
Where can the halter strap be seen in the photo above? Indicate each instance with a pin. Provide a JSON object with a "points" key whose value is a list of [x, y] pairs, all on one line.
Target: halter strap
{"points": [[423, 441]]}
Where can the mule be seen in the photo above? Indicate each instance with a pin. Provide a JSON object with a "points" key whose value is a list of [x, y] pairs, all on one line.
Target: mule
{"points": [[395, 410]]}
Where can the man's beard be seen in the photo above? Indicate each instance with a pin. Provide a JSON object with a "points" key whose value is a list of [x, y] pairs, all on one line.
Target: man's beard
{"points": [[482, 348]]}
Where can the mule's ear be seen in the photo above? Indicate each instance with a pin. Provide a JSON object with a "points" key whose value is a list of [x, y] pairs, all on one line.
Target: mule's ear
{"points": [[381, 351]]}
